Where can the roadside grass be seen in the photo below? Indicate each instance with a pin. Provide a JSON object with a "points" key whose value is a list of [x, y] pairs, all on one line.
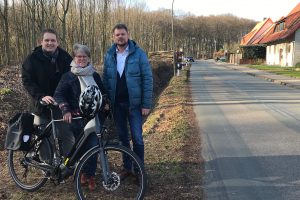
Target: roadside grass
{"points": [[173, 151], [287, 71]]}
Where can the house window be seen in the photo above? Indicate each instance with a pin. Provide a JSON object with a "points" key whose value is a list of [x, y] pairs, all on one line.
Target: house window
{"points": [[276, 28], [288, 49], [279, 27]]}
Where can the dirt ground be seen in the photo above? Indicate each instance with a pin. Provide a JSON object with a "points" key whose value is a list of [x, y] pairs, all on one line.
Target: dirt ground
{"points": [[172, 144]]}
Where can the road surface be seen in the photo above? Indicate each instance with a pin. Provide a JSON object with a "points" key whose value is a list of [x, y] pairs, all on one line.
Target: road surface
{"points": [[250, 130]]}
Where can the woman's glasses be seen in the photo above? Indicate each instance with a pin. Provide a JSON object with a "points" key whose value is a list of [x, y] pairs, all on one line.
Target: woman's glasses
{"points": [[81, 56]]}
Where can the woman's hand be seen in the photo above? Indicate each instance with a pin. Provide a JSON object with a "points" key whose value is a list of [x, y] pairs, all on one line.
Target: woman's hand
{"points": [[106, 107], [67, 117]]}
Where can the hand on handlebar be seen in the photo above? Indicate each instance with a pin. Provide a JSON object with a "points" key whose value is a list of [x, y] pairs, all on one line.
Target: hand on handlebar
{"points": [[67, 117], [48, 100]]}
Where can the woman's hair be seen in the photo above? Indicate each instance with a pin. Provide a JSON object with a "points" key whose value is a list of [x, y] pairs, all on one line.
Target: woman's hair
{"points": [[81, 48]]}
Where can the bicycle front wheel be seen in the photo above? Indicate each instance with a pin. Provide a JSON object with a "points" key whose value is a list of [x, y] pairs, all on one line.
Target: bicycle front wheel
{"points": [[113, 185], [25, 175]]}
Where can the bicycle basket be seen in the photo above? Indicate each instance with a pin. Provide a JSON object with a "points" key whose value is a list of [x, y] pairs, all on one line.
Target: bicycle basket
{"points": [[19, 132]]}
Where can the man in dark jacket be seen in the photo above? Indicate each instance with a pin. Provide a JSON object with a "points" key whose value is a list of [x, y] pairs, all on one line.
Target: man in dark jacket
{"points": [[127, 77], [41, 72]]}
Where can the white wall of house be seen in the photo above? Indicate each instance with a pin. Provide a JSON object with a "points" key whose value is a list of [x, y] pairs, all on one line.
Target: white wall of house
{"points": [[280, 54], [284, 54], [297, 47]]}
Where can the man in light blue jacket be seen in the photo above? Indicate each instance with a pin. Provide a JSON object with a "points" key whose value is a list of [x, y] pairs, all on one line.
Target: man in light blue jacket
{"points": [[127, 77]]}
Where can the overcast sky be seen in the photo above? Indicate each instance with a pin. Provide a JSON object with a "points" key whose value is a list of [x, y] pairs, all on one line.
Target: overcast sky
{"points": [[251, 9]]}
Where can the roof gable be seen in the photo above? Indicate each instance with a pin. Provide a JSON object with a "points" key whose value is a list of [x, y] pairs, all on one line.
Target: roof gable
{"points": [[296, 9], [257, 32], [284, 27]]}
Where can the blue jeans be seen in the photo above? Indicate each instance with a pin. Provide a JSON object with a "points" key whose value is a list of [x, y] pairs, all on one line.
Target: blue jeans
{"points": [[122, 116], [92, 140]]}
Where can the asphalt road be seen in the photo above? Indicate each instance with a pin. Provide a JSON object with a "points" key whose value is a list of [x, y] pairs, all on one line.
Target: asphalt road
{"points": [[250, 130]]}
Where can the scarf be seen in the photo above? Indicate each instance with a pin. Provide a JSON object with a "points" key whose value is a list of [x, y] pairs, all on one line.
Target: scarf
{"points": [[51, 56], [84, 74], [82, 71]]}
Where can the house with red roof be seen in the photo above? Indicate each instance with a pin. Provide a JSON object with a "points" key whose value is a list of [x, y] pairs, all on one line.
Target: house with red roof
{"points": [[257, 33], [250, 48], [283, 40]]}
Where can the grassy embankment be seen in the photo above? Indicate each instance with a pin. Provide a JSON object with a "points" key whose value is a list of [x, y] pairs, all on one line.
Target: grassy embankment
{"points": [[173, 150], [287, 71]]}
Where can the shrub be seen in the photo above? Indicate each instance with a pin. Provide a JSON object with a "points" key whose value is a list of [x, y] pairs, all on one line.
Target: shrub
{"points": [[5, 91]]}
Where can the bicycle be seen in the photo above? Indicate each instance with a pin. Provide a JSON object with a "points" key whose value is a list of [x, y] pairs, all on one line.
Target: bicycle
{"points": [[30, 172]]}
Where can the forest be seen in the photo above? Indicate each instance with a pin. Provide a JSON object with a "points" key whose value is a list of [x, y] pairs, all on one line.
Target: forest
{"points": [[90, 22]]}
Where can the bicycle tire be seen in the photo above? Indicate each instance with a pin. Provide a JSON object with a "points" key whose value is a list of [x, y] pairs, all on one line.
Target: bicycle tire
{"points": [[26, 176], [132, 187]]}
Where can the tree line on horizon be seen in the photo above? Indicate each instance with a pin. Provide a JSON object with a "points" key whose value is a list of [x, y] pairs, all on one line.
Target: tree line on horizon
{"points": [[90, 22]]}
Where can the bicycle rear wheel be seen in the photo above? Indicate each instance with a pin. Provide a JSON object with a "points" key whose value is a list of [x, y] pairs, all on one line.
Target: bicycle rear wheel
{"points": [[22, 169], [132, 187]]}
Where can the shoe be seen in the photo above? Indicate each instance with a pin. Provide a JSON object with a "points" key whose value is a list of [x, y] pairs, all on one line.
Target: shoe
{"points": [[92, 184], [124, 174], [83, 179]]}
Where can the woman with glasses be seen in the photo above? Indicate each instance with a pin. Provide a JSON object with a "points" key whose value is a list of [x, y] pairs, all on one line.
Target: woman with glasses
{"points": [[67, 94]]}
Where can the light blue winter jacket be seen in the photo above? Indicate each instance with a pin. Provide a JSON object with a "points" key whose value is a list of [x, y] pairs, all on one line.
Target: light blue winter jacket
{"points": [[138, 76]]}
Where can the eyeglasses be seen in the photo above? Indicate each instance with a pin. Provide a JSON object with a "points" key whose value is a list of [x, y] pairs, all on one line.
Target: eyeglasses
{"points": [[81, 56]]}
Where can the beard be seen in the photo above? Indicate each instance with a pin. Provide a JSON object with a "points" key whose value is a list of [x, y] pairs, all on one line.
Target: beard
{"points": [[122, 44]]}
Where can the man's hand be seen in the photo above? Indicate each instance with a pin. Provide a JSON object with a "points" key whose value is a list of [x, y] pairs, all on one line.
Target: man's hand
{"points": [[145, 111], [67, 117], [48, 99]]}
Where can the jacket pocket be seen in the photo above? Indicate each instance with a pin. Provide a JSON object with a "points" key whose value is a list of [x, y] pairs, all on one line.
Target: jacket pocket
{"points": [[133, 70]]}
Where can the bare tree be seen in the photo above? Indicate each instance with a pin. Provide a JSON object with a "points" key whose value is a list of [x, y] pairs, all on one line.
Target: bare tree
{"points": [[4, 15], [90, 23], [64, 5]]}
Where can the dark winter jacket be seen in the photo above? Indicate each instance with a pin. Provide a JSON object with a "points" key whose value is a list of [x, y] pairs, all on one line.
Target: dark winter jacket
{"points": [[68, 91], [40, 77], [138, 74]]}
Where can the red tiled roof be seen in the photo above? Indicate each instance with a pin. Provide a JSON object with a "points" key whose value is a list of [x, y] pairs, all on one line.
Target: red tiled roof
{"points": [[296, 9], [292, 24], [257, 32]]}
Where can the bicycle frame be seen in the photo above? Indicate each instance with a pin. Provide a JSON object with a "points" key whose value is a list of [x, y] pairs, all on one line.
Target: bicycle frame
{"points": [[51, 128], [92, 126], [48, 163]]}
